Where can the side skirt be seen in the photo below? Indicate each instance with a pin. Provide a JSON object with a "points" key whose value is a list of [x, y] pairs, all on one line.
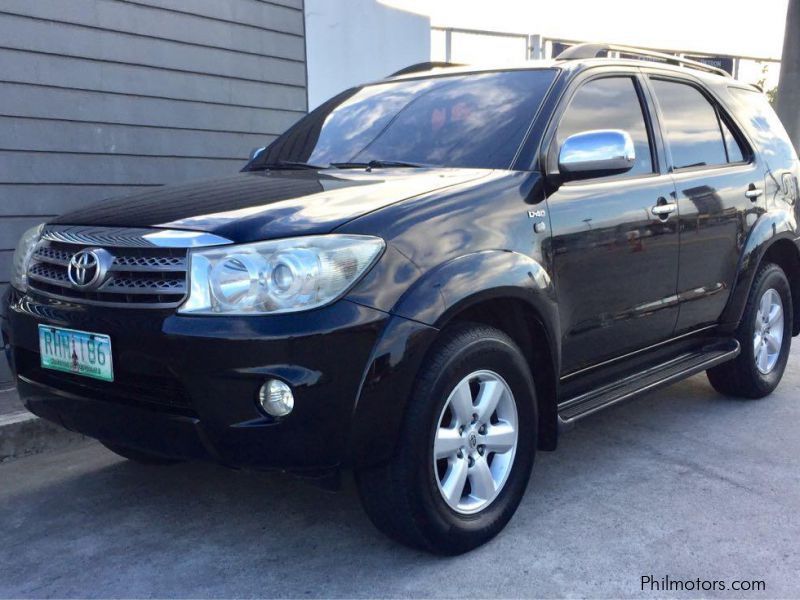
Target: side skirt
{"points": [[710, 354]]}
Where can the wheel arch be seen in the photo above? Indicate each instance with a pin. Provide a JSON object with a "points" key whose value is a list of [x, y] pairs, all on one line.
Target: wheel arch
{"points": [[773, 238], [784, 253], [505, 289], [523, 324]]}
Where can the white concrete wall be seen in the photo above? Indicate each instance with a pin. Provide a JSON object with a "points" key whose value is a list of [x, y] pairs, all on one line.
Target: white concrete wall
{"points": [[349, 42]]}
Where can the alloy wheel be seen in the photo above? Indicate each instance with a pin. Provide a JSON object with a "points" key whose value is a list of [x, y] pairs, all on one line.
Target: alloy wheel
{"points": [[768, 331], [475, 442]]}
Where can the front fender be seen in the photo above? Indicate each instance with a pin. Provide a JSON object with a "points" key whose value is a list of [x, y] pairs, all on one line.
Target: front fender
{"points": [[768, 229], [472, 278], [417, 317]]}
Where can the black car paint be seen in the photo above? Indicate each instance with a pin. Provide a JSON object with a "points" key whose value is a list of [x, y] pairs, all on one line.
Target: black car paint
{"points": [[455, 239], [221, 362], [258, 205]]}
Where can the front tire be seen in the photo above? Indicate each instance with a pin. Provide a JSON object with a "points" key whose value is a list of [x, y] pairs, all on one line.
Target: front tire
{"points": [[765, 335], [466, 449]]}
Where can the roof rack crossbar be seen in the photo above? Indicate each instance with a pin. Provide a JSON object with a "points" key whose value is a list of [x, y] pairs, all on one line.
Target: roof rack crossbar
{"points": [[424, 66], [583, 51]]}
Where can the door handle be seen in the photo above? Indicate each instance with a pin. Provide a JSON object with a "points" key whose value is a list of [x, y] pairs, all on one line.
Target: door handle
{"points": [[753, 192], [663, 210]]}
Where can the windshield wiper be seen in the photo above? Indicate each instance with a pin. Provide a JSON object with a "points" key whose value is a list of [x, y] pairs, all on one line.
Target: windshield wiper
{"points": [[376, 164], [373, 164], [290, 164]]}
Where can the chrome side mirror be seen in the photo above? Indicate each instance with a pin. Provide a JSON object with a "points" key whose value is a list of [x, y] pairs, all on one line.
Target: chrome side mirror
{"points": [[596, 154]]}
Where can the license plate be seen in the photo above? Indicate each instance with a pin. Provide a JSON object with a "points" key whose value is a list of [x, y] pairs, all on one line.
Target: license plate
{"points": [[79, 352]]}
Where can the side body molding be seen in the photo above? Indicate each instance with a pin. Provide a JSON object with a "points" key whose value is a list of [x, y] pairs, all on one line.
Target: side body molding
{"points": [[421, 312]]}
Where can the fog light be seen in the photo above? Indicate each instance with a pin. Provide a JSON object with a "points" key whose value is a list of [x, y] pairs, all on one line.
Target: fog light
{"points": [[276, 398]]}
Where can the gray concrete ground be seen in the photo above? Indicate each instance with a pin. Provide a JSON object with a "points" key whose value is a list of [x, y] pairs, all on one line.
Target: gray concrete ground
{"points": [[9, 401], [22, 433], [683, 483]]}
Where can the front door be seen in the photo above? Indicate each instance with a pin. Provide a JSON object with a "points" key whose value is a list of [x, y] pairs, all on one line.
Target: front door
{"points": [[615, 261]]}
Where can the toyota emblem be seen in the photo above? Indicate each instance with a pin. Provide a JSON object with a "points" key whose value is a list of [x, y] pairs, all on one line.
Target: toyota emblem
{"points": [[87, 269]]}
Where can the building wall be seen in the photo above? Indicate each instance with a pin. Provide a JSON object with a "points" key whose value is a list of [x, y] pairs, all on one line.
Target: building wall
{"points": [[356, 41], [103, 97]]}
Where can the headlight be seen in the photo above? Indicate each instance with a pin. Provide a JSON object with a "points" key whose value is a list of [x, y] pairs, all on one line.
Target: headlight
{"points": [[22, 257], [278, 277]]}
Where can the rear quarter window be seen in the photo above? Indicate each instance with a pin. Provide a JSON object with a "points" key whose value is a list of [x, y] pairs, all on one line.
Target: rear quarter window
{"points": [[753, 111]]}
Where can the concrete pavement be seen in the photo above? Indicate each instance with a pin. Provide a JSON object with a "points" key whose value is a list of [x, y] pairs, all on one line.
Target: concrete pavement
{"points": [[22, 433], [9, 401], [683, 483]]}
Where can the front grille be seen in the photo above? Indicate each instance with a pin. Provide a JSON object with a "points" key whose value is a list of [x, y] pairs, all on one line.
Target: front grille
{"points": [[47, 272], [137, 276], [148, 263]]}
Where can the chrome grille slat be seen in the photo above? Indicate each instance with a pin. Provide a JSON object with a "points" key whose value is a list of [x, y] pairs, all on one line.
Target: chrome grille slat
{"points": [[149, 264], [47, 254], [40, 272], [52, 255], [140, 275], [143, 286]]}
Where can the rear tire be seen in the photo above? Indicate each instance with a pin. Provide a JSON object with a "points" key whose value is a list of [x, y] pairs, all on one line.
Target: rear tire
{"points": [[466, 450], [765, 335], [137, 456]]}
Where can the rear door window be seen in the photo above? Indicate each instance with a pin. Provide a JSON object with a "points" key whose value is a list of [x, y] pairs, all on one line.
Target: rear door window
{"points": [[734, 149], [692, 126]]}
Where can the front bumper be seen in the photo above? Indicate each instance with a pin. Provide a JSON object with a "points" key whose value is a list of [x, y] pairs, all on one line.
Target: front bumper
{"points": [[186, 386]]}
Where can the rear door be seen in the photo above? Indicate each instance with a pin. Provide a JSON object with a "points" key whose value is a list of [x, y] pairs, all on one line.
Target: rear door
{"points": [[720, 192], [615, 261]]}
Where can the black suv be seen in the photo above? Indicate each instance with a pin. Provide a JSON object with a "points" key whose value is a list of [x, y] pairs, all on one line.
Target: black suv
{"points": [[425, 280]]}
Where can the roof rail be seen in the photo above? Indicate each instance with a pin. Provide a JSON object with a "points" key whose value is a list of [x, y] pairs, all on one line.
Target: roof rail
{"points": [[582, 51], [424, 66]]}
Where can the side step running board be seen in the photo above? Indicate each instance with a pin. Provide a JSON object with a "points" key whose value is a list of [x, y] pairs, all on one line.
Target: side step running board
{"points": [[666, 373]]}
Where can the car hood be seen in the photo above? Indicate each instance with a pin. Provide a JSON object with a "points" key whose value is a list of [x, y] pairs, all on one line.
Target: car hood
{"points": [[269, 204]]}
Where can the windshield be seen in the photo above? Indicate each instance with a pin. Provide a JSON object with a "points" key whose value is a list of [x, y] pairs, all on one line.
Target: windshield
{"points": [[475, 120]]}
